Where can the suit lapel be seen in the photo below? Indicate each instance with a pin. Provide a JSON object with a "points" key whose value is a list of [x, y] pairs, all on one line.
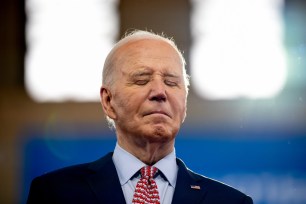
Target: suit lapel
{"points": [[105, 182], [190, 187]]}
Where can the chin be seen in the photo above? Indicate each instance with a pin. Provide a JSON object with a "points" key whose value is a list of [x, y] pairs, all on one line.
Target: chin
{"points": [[160, 134]]}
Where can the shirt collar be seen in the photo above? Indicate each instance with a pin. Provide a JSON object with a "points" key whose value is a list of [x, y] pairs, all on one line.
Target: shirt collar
{"points": [[123, 159], [168, 167]]}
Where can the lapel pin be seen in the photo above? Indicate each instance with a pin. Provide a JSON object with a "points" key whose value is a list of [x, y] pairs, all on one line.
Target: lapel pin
{"points": [[195, 187]]}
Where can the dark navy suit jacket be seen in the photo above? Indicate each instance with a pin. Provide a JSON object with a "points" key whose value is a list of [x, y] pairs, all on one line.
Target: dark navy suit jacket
{"points": [[98, 182]]}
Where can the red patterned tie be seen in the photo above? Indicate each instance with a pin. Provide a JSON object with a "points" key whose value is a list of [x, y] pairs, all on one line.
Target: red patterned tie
{"points": [[146, 189]]}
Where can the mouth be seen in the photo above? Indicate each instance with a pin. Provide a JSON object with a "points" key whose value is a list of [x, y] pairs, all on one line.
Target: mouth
{"points": [[162, 113]]}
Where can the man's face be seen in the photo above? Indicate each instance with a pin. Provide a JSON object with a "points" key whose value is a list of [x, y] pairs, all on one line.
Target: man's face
{"points": [[148, 94]]}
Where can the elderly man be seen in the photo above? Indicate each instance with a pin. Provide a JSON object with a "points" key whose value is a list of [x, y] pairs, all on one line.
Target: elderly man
{"points": [[143, 95]]}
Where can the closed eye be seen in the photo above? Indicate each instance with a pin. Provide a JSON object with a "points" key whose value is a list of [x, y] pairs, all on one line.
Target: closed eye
{"points": [[170, 83], [141, 82]]}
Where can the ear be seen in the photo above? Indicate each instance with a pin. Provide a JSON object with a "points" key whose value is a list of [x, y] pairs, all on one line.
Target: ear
{"points": [[106, 102]]}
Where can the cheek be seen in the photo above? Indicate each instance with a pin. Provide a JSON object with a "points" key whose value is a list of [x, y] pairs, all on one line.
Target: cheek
{"points": [[179, 105], [128, 104]]}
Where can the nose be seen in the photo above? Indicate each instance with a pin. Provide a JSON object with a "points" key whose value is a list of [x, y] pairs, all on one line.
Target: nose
{"points": [[158, 91]]}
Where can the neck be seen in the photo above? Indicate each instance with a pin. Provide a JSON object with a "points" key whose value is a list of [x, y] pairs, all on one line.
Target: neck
{"points": [[146, 151]]}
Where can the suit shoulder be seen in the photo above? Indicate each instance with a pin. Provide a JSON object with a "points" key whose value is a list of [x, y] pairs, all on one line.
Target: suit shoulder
{"points": [[73, 171], [212, 191], [66, 185], [63, 174], [215, 184], [221, 190]]}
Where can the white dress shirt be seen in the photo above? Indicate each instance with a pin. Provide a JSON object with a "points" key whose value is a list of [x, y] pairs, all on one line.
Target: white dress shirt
{"points": [[127, 165]]}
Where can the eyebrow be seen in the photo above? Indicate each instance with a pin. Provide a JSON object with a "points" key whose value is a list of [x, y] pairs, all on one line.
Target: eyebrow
{"points": [[148, 72], [170, 75], [142, 72]]}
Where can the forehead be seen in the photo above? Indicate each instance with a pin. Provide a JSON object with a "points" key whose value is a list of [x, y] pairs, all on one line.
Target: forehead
{"points": [[148, 53]]}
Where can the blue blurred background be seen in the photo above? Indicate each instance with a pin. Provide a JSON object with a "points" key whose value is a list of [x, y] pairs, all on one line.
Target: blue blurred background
{"points": [[257, 146]]}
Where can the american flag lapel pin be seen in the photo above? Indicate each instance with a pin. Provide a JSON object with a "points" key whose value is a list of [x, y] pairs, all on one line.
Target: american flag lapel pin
{"points": [[195, 187]]}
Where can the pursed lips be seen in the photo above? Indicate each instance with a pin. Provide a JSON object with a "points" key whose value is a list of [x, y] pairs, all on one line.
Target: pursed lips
{"points": [[157, 112]]}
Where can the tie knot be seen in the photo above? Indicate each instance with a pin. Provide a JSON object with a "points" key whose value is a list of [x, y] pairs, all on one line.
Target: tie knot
{"points": [[148, 171]]}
